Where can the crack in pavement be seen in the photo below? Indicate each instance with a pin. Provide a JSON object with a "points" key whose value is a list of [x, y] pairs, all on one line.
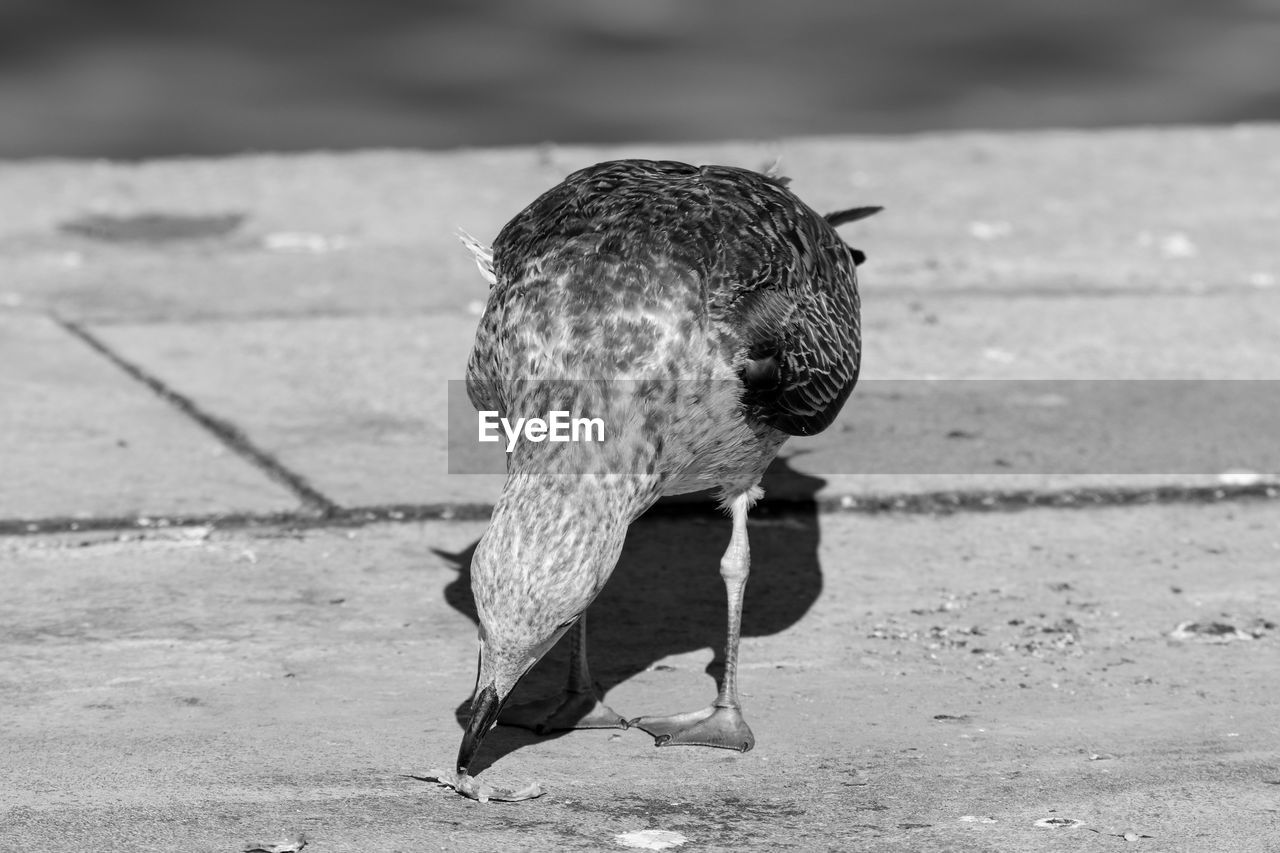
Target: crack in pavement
{"points": [[927, 503], [226, 432]]}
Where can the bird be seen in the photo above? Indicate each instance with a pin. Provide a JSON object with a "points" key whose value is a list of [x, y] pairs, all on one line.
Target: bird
{"points": [[705, 314]]}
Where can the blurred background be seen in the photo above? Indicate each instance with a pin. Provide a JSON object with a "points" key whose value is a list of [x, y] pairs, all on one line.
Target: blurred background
{"points": [[149, 78]]}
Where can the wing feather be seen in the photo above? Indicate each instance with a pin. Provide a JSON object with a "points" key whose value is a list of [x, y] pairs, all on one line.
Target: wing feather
{"points": [[793, 299]]}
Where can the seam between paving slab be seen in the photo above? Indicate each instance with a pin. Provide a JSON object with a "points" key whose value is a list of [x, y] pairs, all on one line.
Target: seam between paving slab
{"points": [[927, 503], [228, 433]]}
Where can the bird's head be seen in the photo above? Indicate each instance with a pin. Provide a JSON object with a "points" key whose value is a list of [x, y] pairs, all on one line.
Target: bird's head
{"points": [[501, 668], [551, 545]]}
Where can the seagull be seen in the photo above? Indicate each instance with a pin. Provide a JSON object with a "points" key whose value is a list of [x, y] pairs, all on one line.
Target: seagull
{"points": [[705, 314]]}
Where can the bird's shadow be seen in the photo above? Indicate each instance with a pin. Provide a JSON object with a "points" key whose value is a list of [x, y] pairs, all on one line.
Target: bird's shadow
{"points": [[666, 596]]}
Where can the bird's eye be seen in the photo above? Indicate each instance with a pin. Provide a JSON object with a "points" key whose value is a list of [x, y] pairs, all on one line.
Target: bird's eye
{"points": [[763, 373]]}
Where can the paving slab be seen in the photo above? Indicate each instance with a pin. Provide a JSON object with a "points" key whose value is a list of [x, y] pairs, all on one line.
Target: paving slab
{"points": [[1040, 344], [1135, 210], [1009, 682], [357, 405], [1137, 254], [79, 438]]}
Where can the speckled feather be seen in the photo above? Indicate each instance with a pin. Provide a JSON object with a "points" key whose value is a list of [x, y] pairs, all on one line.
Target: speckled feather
{"points": [[727, 253], [730, 310]]}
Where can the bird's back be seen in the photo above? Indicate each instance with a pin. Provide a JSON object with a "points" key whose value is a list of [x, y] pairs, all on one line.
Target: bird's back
{"points": [[668, 272]]}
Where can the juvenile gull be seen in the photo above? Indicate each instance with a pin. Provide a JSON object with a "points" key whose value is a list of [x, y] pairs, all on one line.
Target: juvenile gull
{"points": [[705, 314]]}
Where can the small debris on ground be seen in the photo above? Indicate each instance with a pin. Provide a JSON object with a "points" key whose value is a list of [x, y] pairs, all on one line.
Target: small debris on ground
{"points": [[651, 839], [482, 792], [1209, 632], [290, 846], [1127, 835]]}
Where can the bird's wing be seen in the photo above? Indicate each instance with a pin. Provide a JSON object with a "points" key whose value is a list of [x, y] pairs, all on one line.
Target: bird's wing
{"points": [[787, 288]]}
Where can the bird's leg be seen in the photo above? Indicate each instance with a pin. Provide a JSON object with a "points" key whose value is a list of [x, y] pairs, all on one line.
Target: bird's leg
{"points": [[721, 724], [580, 706]]}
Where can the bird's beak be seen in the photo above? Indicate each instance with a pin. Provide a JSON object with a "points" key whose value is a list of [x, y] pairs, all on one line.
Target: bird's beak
{"points": [[485, 708], [500, 672]]}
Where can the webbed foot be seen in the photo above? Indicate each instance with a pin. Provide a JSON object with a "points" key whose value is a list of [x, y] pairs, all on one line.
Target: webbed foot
{"points": [[712, 726]]}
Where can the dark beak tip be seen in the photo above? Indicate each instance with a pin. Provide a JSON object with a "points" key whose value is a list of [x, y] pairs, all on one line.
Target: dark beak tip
{"points": [[484, 715]]}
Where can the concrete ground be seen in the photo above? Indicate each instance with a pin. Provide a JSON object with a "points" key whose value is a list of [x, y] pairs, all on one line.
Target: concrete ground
{"points": [[236, 607]]}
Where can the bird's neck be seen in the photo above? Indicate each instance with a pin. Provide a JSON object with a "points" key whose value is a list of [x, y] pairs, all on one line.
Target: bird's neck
{"points": [[602, 500], [551, 545]]}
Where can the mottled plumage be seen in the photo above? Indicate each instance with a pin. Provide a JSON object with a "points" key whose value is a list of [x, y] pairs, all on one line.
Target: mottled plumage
{"points": [[727, 251], [706, 314]]}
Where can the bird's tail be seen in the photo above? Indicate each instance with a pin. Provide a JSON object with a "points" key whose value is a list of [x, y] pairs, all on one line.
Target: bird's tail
{"points": [[853, 214]]}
